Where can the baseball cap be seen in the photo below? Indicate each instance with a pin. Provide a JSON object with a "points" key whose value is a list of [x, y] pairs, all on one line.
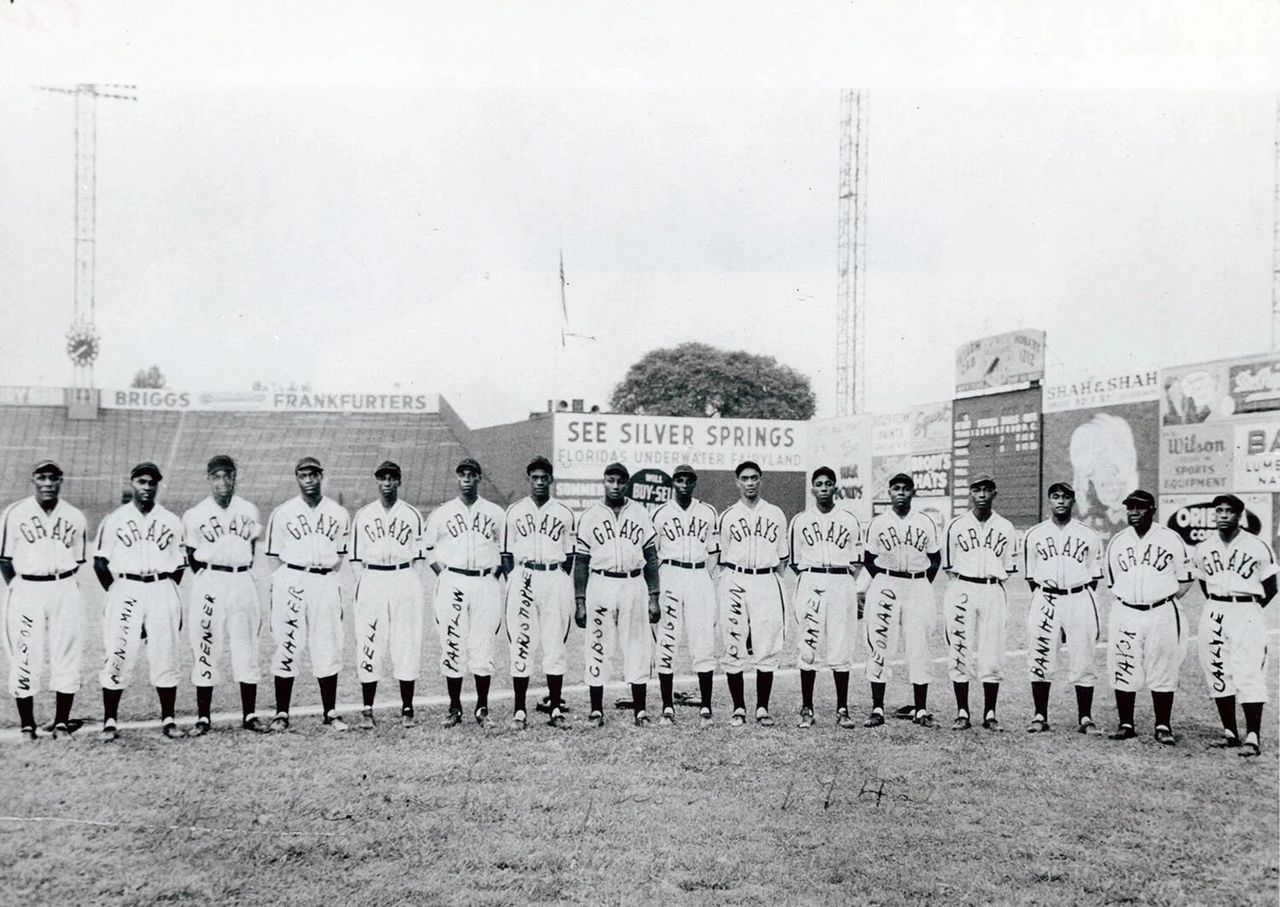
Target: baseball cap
{"points": [[684, 469], [747, 464], [146, 469], [468, 463], [539, 463], [1141, 498], [1236, 505], [308, 463], [982, 478], [46, 465], [387, 466], [1061, 486], [221, 461], [823, 471], [903, 478], [617, 469]]}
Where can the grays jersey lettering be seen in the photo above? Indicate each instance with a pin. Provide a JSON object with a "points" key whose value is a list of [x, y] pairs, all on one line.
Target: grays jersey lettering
{"points": [[64, 531], [240, 526], [1238, 563], [1077, 549], [970, 539], [130, 533], [547, 525], [376, 528], [676, 528], [1153, 556], [911, 538], [832, 534], [627, 529], [457, 525], [324, 525], [742, 528]]}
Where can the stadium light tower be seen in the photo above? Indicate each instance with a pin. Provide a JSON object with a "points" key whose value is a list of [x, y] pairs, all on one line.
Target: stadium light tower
{"points": [[82, 338], [1275, 240], [851, 254]]}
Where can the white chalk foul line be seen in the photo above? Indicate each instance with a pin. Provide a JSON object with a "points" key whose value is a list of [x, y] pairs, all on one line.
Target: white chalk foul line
{"points": [[201, 828]]}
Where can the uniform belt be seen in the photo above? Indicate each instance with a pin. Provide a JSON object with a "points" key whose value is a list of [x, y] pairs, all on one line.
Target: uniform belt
{"points": [[1216, 598], [223, 568], [47, 577], [901, 574], [145, 577], [1163, 601], [537, 565], [485, 572], [614, 574], [980, 580], [839, 571], [320, 571], [685, 564], [405, 566], [1072, 591], [750, 571]]}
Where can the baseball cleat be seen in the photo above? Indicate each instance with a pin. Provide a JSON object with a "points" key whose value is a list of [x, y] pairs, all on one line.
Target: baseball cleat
{"points": [[806, 717], [544, 706], [763, 718], [843, 720], [70, 726], [108, 734], [739, 718], [519, 721], [333, 721], [253, 723], [1230, 740], [1123, 732], [642, 719], [29, 734], [961, 722], [905, 713], [1087, 727], [668, 716], [1165, 735], [62, 731], [875, 719], [596, 719], [407, 720], [482, 717], [201, 727], [452, 719], [925, 719], [704, 714], [558, 720], [366, 719], [172, 731], [1038, 725], [280, 723], [1250, 747], [991, 722]]}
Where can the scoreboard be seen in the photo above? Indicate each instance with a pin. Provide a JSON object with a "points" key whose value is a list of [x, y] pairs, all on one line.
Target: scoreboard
{"points": [[999, 434]]}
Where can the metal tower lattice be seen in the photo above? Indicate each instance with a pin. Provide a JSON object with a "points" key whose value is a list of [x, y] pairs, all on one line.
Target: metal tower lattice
{"points": [[1275, 240], [851, 253]]}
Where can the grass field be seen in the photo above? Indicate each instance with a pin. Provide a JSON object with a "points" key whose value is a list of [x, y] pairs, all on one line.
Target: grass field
{"points": [[680, 815]]}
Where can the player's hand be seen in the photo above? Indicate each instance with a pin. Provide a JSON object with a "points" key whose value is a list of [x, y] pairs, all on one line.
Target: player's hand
{"points": [[862, 604], [580, 613], [655, 609]]}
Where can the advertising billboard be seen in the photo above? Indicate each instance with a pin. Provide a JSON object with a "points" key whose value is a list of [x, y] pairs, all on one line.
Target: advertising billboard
{"points": [[844, 444], [1004, 360], [1224, 389]]}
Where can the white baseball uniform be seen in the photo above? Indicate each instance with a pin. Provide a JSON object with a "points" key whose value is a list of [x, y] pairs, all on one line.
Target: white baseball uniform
{"points": [[900, 597], [826, 549], [140, 548], [43, 609], [540, 541], [1063, 561], [753, 543], [1233, 633], [306, 599], [686, 540], [617, 595], [467, 542], [223, 602], [1146, 639], [389, 600], [979, 555]]}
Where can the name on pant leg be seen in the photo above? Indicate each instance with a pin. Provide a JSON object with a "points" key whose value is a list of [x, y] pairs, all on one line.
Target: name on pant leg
{"points": [[960, 631], [116, 657], [367, 650], [522, 639], [667, 650], [206, 637], [1125, 644], [879, 636], [292, 623], [597, 640], [812, 625], [453, 631], [22, 653], [1043, 646], [736, 605], [1217, 640]]}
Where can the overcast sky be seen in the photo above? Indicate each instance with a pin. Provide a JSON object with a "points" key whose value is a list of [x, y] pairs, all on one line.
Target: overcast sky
{"points": [[379, 203]]}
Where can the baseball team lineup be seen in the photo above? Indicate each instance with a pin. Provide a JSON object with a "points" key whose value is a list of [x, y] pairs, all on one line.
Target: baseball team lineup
{"points": [[642, 585]]}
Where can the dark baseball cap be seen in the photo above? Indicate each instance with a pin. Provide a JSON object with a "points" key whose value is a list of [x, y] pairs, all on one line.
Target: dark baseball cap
{"points": [[745, 465], [684, 469], [617, 469], [46, 465], [823, 471], [146, 469], [308, 463], [982, 478], [386, 466], [1141, 498], [468, 463], [1236, 505], [903, 478], [1061, 486], [221, 461], [539, 463]]}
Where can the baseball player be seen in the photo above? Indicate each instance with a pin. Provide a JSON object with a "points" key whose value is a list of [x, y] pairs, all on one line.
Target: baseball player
{"points": [[464, 541], [221, 535], [537, 556], [1148, 571], [138, 560], [753, 554], [688, 547], [386, 538], [1237, 572], [615, 547], [902, 557], [825, 549], [308, 536], [1062, 563], [42, 545], [979, 557]]}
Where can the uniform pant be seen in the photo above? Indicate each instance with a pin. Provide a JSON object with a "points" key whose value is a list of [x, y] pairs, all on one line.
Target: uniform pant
{"points": [[223, 608], [40, 617], [306, 610], [131, 606], [468, 617], [827, 614], [388, 610], [898, 607], [617, 617], [1145, 648], [1233, 650], [539, 610], [975, 620], [1054, 617], [689, 605], [751, 606]]}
